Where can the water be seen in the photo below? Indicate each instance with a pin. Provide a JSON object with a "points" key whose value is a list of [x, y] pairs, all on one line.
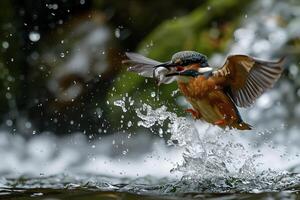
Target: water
{"points": [[198, 161], [87, 186]]}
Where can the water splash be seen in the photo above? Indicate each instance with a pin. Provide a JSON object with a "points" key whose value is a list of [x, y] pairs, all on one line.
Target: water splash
{"points": [[151, 117], [120, 103], [209, 151]]}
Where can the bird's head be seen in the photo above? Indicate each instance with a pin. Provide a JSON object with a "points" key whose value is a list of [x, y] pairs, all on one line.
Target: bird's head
{"points": [[187, 63], [186, 58]]}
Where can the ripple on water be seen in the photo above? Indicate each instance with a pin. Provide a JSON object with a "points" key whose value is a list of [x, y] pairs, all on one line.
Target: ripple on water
{"points": [[265, 182]]}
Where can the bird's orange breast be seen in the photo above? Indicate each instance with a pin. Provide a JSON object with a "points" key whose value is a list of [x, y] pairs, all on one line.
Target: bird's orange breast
{"points": [[210, 101], [215, 106]]}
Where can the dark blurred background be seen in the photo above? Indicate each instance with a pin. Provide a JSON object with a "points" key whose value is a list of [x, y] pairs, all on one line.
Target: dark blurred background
{"points": [[60, 60]]}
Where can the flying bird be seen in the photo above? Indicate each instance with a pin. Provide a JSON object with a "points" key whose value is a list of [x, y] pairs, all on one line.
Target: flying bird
{"points": [[214, 94]]}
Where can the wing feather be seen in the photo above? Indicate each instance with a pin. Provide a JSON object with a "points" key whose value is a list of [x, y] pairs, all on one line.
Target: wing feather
{"points": [[144, 67], [138, 58], [248, 78], [141, 64]]}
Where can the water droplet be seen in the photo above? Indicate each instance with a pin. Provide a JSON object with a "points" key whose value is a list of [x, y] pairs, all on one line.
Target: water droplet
{"points": [[9, 122], [99, 112], [28, 125], [34, 36], [37, 194], [52, 6], [5, 45], [160, 132], [129, 124], [120, 103], [117, 33], [153, 94], [131, 101], [55, 6]]}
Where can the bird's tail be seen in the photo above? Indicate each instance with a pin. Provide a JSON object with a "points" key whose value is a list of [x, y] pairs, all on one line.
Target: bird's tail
{"points": [[242, 126]]}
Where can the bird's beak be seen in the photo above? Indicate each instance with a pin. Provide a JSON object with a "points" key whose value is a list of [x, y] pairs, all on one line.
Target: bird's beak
{"points": [[167, 65], [194, 73], [173, 74], [203, 70]]}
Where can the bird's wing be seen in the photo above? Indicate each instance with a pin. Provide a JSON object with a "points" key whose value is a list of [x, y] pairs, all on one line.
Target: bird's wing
{"points": [[247, 78], [141, 64], [144, 67]]}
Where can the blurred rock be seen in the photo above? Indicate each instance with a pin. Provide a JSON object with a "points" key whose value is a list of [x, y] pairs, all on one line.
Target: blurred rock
{"points": [[76, 56], [72, 64]]}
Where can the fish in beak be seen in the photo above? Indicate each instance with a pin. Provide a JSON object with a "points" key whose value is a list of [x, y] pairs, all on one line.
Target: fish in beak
{"points": [[150, 68]]}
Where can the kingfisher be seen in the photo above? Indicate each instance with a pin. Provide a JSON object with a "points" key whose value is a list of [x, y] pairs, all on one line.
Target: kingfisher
{"points": [[213, 93]]}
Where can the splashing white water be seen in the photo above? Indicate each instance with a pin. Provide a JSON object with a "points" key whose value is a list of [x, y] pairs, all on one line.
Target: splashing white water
{"points": [[120, 103], [209, 151]]}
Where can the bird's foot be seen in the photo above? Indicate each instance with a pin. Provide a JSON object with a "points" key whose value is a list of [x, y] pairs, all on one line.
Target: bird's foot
{"points": [[220, 122], [195, 113]]}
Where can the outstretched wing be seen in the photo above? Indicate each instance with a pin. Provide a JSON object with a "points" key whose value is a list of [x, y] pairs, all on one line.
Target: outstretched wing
{"points": [[144, 67], [247, 78]]}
